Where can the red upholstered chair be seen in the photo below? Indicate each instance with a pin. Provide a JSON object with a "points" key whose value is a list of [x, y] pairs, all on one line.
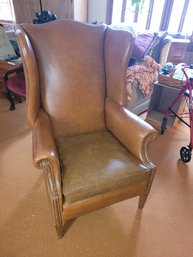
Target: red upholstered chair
{"points": [[14, 76], [14, 85]]}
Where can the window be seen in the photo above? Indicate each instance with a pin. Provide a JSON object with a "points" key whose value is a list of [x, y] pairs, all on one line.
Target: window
{"points": [[176, 16], [6, 10]]}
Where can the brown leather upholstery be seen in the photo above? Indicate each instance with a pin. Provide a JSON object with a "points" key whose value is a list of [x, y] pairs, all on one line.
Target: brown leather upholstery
{"points": [[93, 151]]}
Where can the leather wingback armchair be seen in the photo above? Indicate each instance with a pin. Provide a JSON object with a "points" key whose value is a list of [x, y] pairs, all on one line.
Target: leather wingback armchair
{"points": [[92, 150]]}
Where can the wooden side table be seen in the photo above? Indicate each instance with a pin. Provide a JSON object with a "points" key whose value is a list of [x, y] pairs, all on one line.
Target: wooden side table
{"points": [[161, 99], [177, 50]]}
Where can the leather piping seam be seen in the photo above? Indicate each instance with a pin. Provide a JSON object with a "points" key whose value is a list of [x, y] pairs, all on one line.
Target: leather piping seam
{"points": [[148, 139]]}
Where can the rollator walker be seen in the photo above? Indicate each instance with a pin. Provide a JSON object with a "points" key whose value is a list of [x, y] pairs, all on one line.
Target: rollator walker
{"points": [[185, 91]]}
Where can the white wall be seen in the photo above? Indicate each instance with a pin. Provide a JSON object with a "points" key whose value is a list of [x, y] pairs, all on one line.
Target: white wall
{"points": [[97, 10]]}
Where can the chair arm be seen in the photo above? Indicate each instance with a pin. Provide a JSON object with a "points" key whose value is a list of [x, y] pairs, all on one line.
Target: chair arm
{"points": [[133, 132], [45, 156], [44, 147], [13, 70]]}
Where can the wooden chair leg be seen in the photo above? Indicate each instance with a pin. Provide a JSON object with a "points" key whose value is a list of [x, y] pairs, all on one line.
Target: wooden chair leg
{"points": [[142, 200], [62, 229], [143, 197], [59, 230], [10, 98]]}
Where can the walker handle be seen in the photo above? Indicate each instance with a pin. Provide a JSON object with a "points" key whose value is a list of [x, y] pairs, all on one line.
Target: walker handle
{"points": [[185, 68]]}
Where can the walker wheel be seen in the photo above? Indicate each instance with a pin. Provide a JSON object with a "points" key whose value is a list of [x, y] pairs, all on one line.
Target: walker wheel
{"points": [[185, 154]]}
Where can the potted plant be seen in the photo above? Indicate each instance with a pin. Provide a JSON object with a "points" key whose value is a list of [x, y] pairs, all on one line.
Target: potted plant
{"points": [[138, 4]]}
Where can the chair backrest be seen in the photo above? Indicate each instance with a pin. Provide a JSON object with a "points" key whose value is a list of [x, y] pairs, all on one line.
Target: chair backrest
{"points": [[66, 61]]}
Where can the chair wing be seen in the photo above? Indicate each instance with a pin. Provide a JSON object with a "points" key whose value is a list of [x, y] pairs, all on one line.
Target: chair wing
{"points": [[94, 152]]}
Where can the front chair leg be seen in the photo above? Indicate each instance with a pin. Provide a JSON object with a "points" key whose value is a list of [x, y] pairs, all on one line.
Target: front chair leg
{"points": [[59, 230], [143, 197], [142, 200], [62, 229]]}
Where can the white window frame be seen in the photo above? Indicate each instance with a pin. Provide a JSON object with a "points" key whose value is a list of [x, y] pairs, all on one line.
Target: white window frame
{"points": [[148, 13], [9, 15]]}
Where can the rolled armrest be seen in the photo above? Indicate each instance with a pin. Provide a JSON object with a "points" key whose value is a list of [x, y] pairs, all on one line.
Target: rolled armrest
{"points": [[44, 147], [45, 156], [133, 132]]}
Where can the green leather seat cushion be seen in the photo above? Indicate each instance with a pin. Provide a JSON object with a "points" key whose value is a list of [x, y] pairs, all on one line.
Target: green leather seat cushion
{"points": [[96, 163]]}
